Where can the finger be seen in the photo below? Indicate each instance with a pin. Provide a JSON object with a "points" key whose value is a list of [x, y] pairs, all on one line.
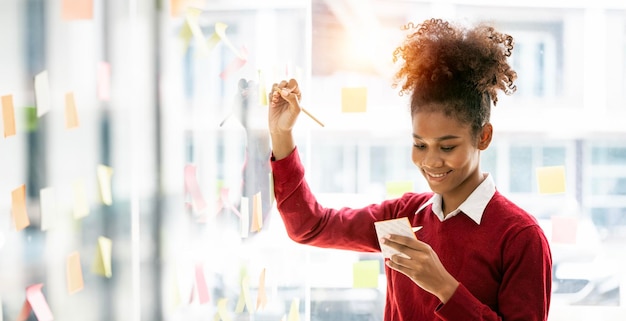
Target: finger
{"points": [[407, 241]]}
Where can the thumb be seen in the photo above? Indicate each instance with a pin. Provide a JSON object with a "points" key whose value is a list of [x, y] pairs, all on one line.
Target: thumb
{"points": [[290, 97]]}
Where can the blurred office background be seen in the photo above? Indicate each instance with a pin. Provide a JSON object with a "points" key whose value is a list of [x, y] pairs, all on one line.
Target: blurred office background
{"points": [[158, 196]]}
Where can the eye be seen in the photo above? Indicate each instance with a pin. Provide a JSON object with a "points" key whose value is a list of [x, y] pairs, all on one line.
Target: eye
{"points": [[447, 148], [419, 146]]}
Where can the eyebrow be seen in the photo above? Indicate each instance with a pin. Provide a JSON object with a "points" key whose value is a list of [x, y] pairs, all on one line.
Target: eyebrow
{"points": [[442, 138]]}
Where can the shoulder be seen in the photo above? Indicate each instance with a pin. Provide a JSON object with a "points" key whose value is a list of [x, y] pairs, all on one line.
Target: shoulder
{"points": [[408, 203], [503, 209]]}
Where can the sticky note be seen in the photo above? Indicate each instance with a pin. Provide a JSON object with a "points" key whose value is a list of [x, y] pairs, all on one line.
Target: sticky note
{"points": [[245, 216], [102, 261], [294, 310], [396, 189], [551, 179], [261, 299], [192, 19], [354, 99], [81, 206], [104, 182], [18, 208], [365, 274], [220, 30], [222, 311], [244, 296], [257, 213], [564, 229], [263, 98], [42, 93], [193, 188], [71, 115], [8, 115], [30, 119], [201, 285], [235, 64], [36, 302], [48, 207], [398, 226], [74, 273], [77, 10], [104, 81]]}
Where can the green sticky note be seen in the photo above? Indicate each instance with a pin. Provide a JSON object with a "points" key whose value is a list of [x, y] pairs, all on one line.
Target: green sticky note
{"points": [[365, 274], [551, 179], [398, 188], [30, 119], [354, 99]]}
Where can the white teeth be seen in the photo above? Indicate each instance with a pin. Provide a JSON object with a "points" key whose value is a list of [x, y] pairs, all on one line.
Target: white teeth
{"points": [[437, 175]]}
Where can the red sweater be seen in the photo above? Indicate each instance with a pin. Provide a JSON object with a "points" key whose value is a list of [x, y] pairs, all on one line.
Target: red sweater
{"points": [[503, 265]]}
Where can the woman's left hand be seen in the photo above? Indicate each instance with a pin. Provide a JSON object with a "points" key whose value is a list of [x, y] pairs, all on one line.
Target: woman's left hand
{"points": [[422, 266]]}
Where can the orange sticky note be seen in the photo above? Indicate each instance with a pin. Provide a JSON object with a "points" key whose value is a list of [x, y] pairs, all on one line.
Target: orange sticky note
{"points": [[551, 179], [18, 208], [564, 229], [74, 273], [77, 9], [354, 99], [261, 299], [36, 302], [8, 114], [201, 285], [192, 187], [102, 260], [71, 115], [257, 213]]}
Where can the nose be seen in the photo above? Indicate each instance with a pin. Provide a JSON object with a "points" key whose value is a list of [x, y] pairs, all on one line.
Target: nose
{"points": [[429, 158]]}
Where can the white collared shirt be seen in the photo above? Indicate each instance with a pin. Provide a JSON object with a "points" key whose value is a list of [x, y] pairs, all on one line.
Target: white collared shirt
{"points": [[474, 206]]}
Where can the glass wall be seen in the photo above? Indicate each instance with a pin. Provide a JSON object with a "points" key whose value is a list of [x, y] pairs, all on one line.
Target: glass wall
{"points": [[134, 177]]}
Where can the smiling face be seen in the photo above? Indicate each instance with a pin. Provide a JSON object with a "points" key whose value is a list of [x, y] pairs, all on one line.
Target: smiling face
{"points": [[448, 155]]}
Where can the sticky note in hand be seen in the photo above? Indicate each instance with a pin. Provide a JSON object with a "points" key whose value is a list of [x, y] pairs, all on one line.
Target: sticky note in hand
{"points": [[399, 226]]}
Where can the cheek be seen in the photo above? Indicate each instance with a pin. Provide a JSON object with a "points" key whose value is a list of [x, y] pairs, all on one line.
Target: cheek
{"points": [[415, 157]]}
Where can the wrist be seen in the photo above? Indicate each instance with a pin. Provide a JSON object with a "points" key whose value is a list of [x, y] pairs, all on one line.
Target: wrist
{"points": [[447, 291], [282, 144]]}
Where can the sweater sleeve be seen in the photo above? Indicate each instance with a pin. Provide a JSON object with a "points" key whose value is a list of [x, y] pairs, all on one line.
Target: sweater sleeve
{"points": [[525, 289], [308, 222]]}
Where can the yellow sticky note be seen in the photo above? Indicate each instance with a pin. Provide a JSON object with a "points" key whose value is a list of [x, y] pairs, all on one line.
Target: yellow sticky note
{"points": [[261, 299], [102, 262], [74, 273], [294, 310], [244, 296], [365, 274], [81, 206], [8, 115], [396, 189], [551, 179], [18, 208], [220, 30], [71, 115], [42, 93], [48, 207], [77, 9], [222, 311], [263, 99], [104, 181], [564, 229], [257, 213], [354, 99]]}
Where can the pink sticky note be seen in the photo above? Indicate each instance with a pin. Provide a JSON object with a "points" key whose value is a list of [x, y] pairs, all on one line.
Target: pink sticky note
{"points": [[564, 229], [104, 81], [36, 302], [201, 286], [193, 188], [236, 64]]}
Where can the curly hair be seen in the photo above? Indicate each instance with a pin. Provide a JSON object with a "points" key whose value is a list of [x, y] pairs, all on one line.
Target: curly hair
{"points": [[458, 68]]}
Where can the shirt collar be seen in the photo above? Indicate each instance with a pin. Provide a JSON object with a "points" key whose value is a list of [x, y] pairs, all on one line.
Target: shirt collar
{"points": [[474, 206]]}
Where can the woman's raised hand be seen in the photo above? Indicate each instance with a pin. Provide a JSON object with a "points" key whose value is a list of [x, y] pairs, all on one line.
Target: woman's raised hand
{"points": [[284, 107]]}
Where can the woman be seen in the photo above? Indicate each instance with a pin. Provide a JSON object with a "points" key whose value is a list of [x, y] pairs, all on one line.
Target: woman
{"points": [[478, 255]]}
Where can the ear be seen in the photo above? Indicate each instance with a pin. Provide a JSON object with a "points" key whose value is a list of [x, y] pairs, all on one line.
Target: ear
{"points": [[484, 139]]}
